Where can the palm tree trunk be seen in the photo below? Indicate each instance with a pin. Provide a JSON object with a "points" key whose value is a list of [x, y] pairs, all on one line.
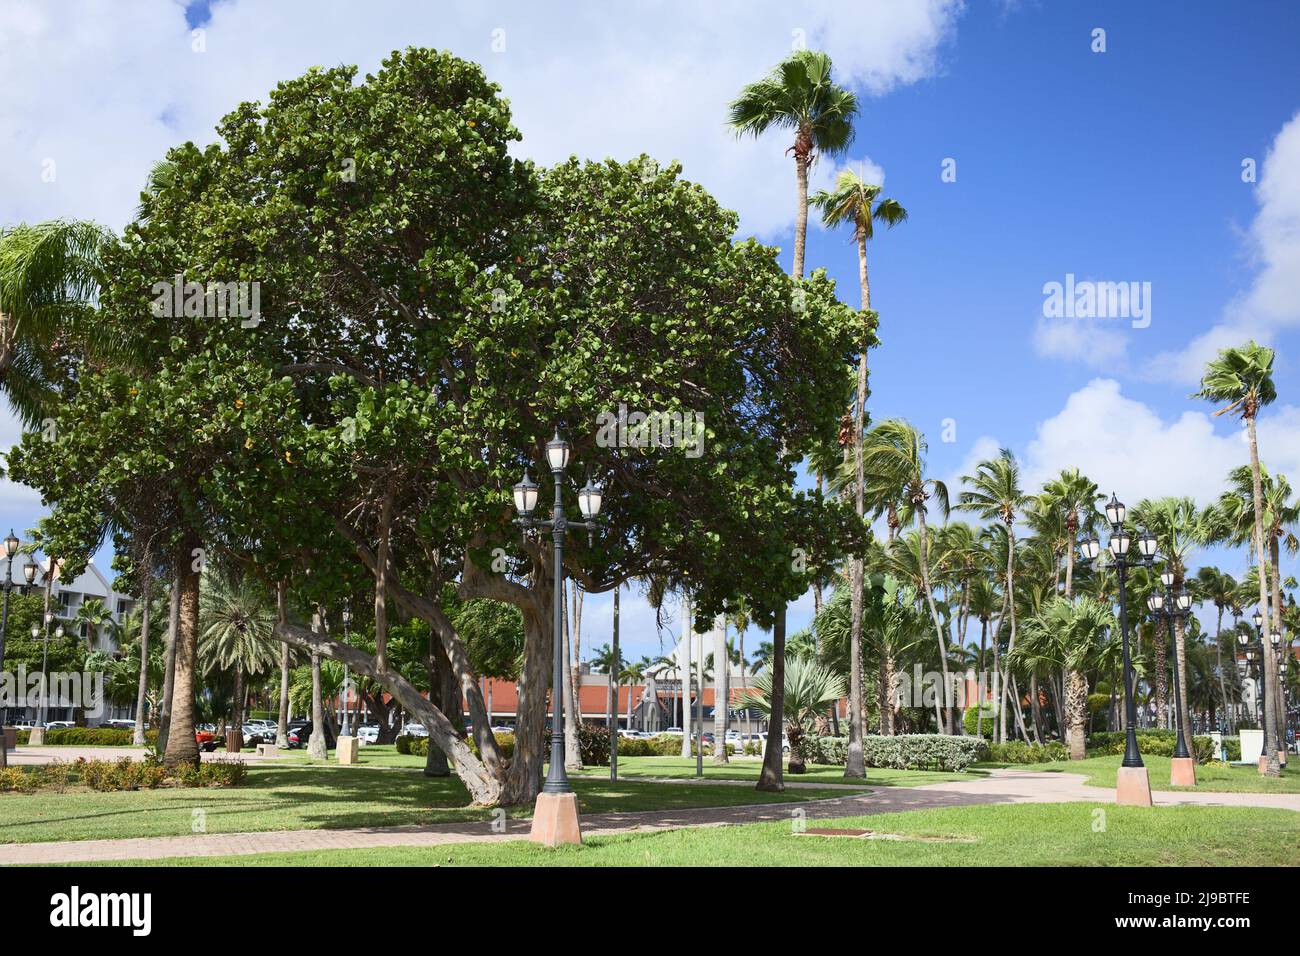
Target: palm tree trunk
{"points": [[1275, 677], [1223, 690], [182, 748], [770, 778], [282, 724], [1180, 648], [1268, 764], [979, 684], [801, 204], [923, 537], [235, 735], [142, 690], [855, 767], [1076, 711], [317, 746], [1160, 678], [169, 661]]}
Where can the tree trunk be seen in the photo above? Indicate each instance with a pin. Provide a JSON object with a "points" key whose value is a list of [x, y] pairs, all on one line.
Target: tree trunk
{"points": [[979, 684], [769, 777], [235, 734], [142, 690], [1274, 681], [721, 690], [887, 670], [1269, 764], [169, 661], [801, 203], [1076, 711], [572, 748], [615, 670], [688, 634], [1180, 648], [182, 749], [855, 767], [435, 761], [1223, 690], [317, 745], [934, 614], [282, 723]]}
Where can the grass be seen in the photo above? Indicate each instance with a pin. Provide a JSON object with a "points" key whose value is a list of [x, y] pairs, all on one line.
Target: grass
{"points": [[747, 770], [1210, 778], [1078, 834], [286, 797]]}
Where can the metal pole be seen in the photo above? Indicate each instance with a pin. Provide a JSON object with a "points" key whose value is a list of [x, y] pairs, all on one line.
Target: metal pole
{"points": [[4, 623], [614, 671], [699, 705], [557, 781], [45, 674], [1132, 758], [1180, 748]]}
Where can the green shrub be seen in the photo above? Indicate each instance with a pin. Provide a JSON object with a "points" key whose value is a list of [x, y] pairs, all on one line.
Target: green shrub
{"points": [[903, 752], [93, 737], [56, 776], [593, 745], [1017, 751], [222, 773], [18, 780], [971, 720], [1157, 743]]}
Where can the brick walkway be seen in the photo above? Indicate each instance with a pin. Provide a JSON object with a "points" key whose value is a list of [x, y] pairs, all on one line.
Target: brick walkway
{"points": [[1000, 786]]}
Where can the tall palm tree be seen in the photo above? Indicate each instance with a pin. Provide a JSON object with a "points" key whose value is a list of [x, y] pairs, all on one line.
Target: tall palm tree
{"points": [[894, 453], [1075, 496], [49, 278], [995, 494], [799, 95], [1243, 378], [1179, 527], [632, 673], [857, 202], [1071, 636], [236, 628], [1215, 586]]}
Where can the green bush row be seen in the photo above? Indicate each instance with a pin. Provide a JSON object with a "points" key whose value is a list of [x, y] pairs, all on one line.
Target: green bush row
{"points": [[88, 736], [109, 776], [1157, 743], [903, 752], [1017, 751]]}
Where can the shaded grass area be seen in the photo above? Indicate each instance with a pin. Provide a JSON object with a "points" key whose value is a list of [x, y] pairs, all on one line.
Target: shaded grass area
{"points": [[284, 797], [1211, 778], [1078, 834]]}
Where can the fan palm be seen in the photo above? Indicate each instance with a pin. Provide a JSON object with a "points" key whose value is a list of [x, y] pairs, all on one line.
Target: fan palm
{"points": [[1075, 496], [1215, 586], [1070, 636], [809, 687], [799, 95], [93, 617], [1243, 378]]}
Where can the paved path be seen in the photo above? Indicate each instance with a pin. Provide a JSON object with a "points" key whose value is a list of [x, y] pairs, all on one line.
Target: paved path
{"points": [[999, 786]]}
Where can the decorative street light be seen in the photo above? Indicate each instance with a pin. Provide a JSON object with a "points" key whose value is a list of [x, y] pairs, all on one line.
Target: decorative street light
{"points": [[347, 726], [1261, 682], [1133, 786], [1171, 606], [555, 818], [11, 548]]}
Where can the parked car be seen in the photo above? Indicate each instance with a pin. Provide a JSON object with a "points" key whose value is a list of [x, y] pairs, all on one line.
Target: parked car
{"points": [[206, 739], [415, 730], [503, 729], [300, 736], [368, 734], [121, 724], [59, 725], [25, 724]]}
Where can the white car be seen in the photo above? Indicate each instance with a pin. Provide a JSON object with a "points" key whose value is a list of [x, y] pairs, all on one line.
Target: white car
{"points": [[368, 734], [415, 730]]}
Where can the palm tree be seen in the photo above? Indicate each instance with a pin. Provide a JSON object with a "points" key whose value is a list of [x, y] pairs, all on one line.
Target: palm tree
{"points": [[799, 95], [894, 453], [633, 673], [1215, 586], [1075, 496], [49, 278], [1070, 636], [93, 616], [1243, 377], [236, 634], [809, 688], [1179, 526], [995, 495], [855, 201]]}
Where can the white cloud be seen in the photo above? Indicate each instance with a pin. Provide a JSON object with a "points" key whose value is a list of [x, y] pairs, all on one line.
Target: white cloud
{"points": [[104, 89], [1126, 447], [1272, 303], [1097, 343]]}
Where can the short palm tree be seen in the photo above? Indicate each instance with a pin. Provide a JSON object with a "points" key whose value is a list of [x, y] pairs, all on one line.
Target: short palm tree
{"points": [[1219, 588], [809, 687], [799, 95], [1069, 636], [236, 625], [1243, 378], [995, 495], [1075, 496], [94, 617]]}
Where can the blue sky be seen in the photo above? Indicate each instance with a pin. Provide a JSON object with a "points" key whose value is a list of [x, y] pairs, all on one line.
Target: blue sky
{"points": [[1123, 165]]}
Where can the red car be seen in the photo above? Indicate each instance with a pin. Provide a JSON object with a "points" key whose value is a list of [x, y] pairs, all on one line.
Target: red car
{"points": [[206, 740]]}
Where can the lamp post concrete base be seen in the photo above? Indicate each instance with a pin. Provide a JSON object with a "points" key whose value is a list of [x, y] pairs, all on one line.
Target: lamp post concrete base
{"points": [[345, 748], [1182, 772], [37, 737], [555, 820], [1133, 787]]}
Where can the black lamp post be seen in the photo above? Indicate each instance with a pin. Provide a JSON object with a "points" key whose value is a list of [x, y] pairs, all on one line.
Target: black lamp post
{"points": [[347, 726], [1172, 607], [589, 501], [1119, 544], [11, 548]]}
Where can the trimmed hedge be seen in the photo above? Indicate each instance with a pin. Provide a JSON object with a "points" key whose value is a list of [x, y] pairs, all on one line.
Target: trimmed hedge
{"points": [[88, 737], [1017, 751], [1157, 743], [903, 752], [419, 746], [110, 776]]}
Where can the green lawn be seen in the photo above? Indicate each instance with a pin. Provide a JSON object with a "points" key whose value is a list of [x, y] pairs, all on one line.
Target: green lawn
{"points": [[289, 797], [1021, 834], [1211, 777], [747, 770]]}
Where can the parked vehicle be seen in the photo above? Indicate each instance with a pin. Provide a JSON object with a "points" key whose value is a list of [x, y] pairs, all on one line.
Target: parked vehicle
{"points": [[368, 734], [300, 736], [59, 725], [206, 739], [415, 730], [121, 724]]}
